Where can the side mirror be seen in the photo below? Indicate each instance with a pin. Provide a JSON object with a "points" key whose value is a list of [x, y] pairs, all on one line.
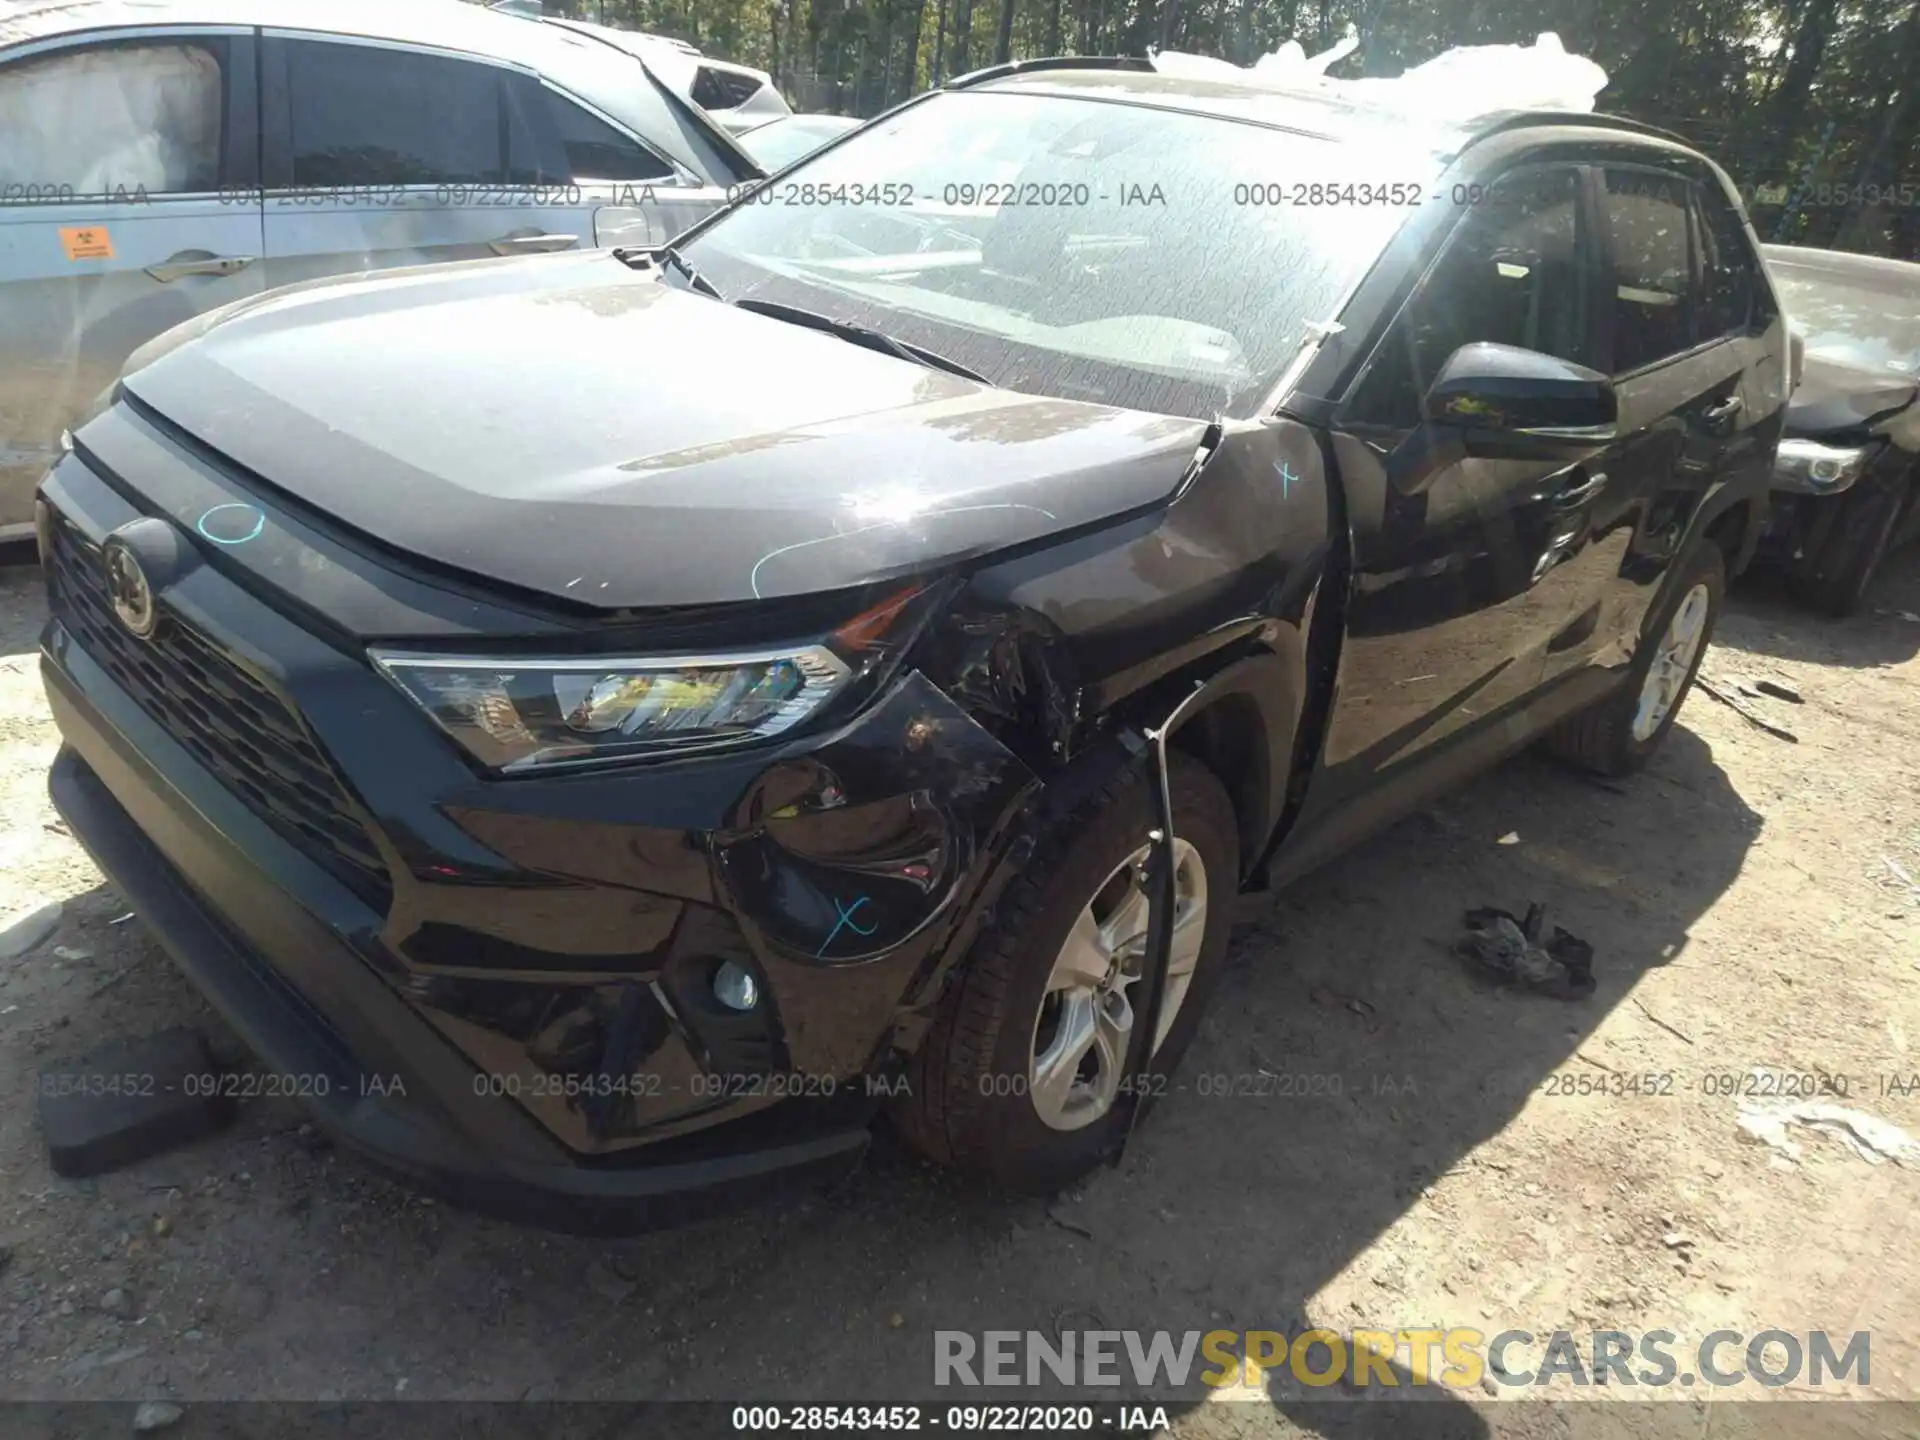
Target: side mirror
{"points": [[629, 225], [1512, 401]]}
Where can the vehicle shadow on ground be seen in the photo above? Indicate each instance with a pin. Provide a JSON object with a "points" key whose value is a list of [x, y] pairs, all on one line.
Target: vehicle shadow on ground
{"points": [[23, 606], [1350, 976], [1348, 1063], [1769, 621]]}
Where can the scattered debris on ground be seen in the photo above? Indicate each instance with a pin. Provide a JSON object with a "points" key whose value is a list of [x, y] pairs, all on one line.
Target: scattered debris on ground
{"points": [[1902, 874], [1334, 1000], [129, 1101], [27, 927], [1870, 1138], [156, 1415], [1521, 953], [1727, 697]]}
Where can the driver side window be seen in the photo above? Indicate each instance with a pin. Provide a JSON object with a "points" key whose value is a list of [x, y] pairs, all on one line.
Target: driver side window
{"points": [[1513, 273]]}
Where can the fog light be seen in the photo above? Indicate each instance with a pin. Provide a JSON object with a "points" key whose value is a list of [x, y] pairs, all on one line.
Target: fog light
{"points": [[734, 987]]}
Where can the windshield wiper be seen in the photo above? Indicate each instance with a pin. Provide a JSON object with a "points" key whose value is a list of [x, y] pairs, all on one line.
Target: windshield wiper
{"points": [[862, 335], [663, 255]]}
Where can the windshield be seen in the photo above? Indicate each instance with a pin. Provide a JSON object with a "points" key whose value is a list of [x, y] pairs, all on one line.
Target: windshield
{"points": [[1855, 320], [1083, 249]]}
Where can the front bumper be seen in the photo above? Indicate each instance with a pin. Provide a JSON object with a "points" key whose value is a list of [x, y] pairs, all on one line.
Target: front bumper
{"points": [[501, 990], [385, 1091], [1800, 515]]}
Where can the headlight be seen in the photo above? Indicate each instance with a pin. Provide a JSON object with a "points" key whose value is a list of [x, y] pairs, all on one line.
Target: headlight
{"points": [[515, 715], [1810, 468]]}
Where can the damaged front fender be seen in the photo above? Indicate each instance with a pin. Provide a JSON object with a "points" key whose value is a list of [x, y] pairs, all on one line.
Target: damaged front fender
{"points": [[854, 867]]}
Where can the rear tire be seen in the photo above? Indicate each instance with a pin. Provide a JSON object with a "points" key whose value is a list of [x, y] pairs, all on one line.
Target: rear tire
{"points": [[1835, 575], [1610, 737], [973, 1101]]}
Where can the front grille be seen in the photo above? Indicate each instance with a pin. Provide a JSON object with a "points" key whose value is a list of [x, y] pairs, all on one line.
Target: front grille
{"points": [[235, 725]]}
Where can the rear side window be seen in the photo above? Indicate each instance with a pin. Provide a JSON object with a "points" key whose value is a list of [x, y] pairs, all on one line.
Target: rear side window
{"points": [[111, 118], [1651, 296], [722, 89], [365, 116], [1513, 273], [597, 151], [1729, 275]]}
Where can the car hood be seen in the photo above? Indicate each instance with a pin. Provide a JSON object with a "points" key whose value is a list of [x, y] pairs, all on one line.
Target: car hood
{"points": [[1834, 395], [569, 426]]}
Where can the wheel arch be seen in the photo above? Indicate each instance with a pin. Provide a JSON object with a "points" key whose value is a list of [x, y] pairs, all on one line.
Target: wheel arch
{"points": [[1241, 727], [1736, 530]]}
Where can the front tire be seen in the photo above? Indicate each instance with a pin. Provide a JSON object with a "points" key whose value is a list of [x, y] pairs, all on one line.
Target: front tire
{"points": [[1020, 1076], [1620, 734]]}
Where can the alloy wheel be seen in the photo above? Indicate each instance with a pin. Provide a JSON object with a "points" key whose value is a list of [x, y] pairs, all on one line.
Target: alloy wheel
{"points": [[1673, 660], [1084, 1030]]}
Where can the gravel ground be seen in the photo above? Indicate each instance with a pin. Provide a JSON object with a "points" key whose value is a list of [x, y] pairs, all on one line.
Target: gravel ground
{"points": [[1745, 910]]}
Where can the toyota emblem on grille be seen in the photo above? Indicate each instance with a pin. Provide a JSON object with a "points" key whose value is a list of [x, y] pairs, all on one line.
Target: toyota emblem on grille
{"points": [[129, 588]]}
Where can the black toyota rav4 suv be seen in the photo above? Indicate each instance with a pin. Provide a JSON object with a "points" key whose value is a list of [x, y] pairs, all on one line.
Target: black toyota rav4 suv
{"points": [[615, 723]]}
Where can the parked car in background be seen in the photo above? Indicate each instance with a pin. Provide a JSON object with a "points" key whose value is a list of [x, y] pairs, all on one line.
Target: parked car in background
{"points": [[779, 143], [1845, 491], [161, 159], [738, 96], [654, 710]]}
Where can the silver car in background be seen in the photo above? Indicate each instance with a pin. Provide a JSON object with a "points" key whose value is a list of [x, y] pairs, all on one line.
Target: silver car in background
{"points": [[791, 138], [162, 158]]}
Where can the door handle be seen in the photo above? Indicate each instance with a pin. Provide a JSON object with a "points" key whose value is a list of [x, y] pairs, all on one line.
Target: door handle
{"points": [[168, 271], [531, 244], [1718, 414], [1579, 492]]}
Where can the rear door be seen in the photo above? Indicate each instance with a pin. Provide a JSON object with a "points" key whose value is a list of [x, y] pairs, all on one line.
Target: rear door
{"points": [[127, 205], [1682, 332]]}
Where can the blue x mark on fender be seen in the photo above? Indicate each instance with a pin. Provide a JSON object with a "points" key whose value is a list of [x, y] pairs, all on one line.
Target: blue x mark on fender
{"points": [[846, 922]]}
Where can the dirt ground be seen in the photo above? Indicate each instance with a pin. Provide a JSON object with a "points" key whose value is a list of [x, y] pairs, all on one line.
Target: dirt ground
{"points": [[1744, 914]]}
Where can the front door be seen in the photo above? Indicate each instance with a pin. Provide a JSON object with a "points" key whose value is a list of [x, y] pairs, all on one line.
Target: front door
{"points": [[1457, 592]]}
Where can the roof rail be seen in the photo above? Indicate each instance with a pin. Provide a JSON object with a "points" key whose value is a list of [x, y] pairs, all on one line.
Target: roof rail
{"points": [[1515, 119], [1053, 62]]}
